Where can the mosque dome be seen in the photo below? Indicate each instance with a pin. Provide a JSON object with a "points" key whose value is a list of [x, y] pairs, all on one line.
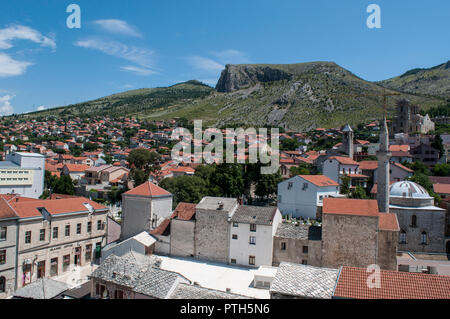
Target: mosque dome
{"points": [[407, 189]]}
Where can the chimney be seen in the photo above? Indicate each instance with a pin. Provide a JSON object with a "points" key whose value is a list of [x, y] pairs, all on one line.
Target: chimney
{"points": [[220, 205]]}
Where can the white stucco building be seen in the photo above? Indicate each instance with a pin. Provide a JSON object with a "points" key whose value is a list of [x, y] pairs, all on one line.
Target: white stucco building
{"points": [[301, 195], [23, 174], [251, 235]]}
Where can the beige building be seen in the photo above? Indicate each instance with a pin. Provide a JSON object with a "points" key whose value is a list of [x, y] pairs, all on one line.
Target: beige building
{"points": [[54, 236]]}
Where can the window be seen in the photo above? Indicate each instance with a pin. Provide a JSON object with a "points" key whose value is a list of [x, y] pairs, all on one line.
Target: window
{"points": [[305, 186], [78, 229], [233, 261], [3, 230], [305, 249], [304, 262], [99, 225], [252, 240], [28, 237], [66, 263], [67, 231], [413, 221], [235, 225], [253, 227], [88, 253], [89, 227], [2, 284], [283, 246], [42, 235], [424, 238], [234, 236], [320, 198], [290, 184], [54, 267], [55, 232], [118, 294], [251, 260], [2, 257], [402, 237]]}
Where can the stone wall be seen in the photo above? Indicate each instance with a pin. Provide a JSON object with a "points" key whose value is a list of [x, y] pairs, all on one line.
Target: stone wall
{"points": [[387, 249], [294, 251], [211, 235], [348, 240], [182, 237]]}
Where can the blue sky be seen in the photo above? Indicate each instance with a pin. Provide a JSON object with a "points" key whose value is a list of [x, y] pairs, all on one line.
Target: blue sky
{"points": [[132, 44]]}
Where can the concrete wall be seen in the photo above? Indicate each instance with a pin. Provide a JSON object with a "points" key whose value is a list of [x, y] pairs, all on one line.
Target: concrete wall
{"points": [[349, 240], [162, 207], [182, 237], [136, 215], [162, 246], [7, 270]]}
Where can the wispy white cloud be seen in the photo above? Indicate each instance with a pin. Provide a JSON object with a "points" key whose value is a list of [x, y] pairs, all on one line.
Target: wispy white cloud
{"points": [[11, 67], [41, 108], [20, 32], [211, 82], [140, 56], [138, 70], [5, 105], [116, 26], [231, 56], [205, 64]]}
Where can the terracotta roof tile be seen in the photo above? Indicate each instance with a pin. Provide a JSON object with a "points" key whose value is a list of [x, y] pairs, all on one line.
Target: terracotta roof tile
{"points": [[148, 189], [441, 188], [319, 180], [344, 206], [6, 210], [368, 165], [184, 211], [388, 222], [352, 283], [344, 160]]}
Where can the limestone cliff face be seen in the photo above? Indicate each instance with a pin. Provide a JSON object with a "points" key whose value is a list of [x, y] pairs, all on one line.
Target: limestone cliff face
{"points": [[236, 77]]}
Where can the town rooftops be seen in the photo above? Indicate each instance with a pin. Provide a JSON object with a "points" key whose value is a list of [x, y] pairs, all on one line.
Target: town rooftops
{"points": [[143, 279], [184, 211], [299, 231], [344, 160], [304, 281], [344, 206], [33, 208], [441, 188], [76, 167], [388, 222], [186, 291], [44, 288], [148, 189], [254, 215], [368, 165], [319, 180], [352, 283]]}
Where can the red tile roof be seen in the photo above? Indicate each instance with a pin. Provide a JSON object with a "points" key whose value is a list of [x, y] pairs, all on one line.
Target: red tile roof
{"points": [[184, 211], [368, 165], [388, 221], [58, 206], [344, 206], [163, 229], [441, 188], [148, 189], [77, 167], [6, 210], [319, 180], [397, 148], [352, 283], [403, 167], [344, 160]]}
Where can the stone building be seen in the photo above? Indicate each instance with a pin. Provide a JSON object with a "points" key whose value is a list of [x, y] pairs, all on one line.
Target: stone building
{"points": [[408, 120], [54, 236], [8, 249], [422, 225], [355, 233], [212, 229], [347, 141], [298, 243], [144, 208]]}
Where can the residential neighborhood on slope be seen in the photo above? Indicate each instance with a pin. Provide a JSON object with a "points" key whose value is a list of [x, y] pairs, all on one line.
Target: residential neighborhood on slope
{"points": [[97, 208]]}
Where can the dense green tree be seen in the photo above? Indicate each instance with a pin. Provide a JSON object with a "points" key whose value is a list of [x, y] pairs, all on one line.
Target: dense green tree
{"points": [[345, 184], [425, 182], [301, 169], [139, 176], [442, 169], [64, 185], [189, 189], [230, 179], [289, 144], [89, 147], [359, 193], [419, 167], [267, 185], [438, 144]]}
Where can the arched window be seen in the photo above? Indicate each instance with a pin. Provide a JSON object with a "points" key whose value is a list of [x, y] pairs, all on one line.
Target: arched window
{"points": [[413, 221], [402, 237], [2, 284], [424, 238]]}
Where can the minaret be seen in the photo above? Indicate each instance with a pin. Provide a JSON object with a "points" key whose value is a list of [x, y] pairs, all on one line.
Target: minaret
{"points": [[383, 156], [347, 141]]}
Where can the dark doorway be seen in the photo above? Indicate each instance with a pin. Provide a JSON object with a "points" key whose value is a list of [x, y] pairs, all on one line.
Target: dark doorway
{"points": [[448, 248]]}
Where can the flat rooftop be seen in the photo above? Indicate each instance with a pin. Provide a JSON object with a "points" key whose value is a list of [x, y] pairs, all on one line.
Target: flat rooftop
{"points": [[216, 275]]}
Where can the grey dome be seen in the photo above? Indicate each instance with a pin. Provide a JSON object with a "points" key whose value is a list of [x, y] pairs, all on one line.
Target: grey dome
{"points": [[407, 189]]}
